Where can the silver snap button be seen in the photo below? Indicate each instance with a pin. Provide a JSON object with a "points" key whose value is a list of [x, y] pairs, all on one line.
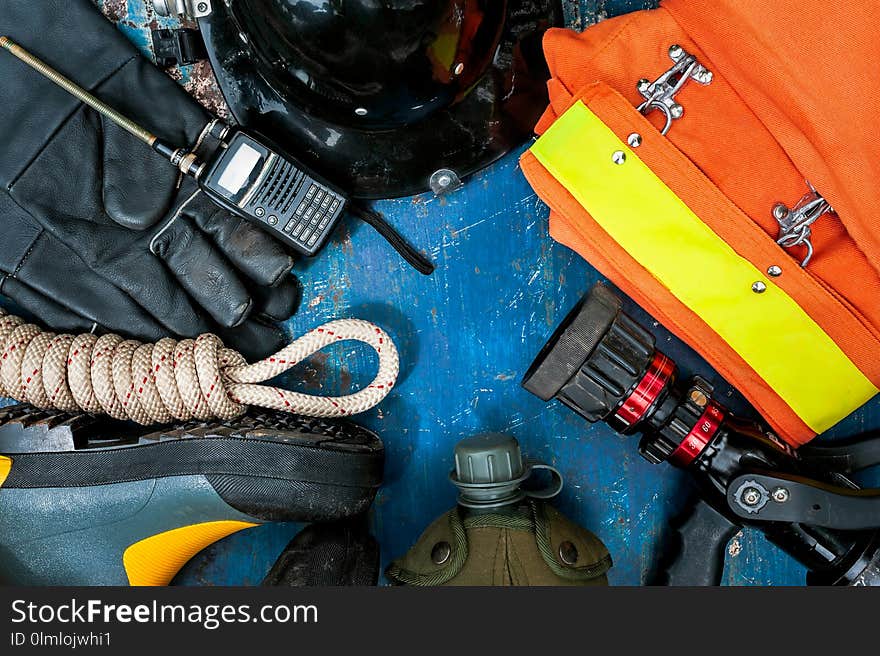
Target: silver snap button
{"points": [[759, 287], [634, 140], [568, 553], [440, 553], [618, 157], [775, 271]]}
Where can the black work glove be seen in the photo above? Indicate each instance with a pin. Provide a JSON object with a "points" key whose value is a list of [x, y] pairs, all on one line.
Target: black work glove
{"points": [[98, 229], [337, 554]]}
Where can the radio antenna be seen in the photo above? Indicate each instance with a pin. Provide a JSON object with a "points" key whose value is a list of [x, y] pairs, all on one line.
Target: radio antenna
{"points": [[179, 157]]}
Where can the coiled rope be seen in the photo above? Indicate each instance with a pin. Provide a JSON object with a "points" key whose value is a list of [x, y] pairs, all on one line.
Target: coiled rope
{"points": [[175, 380]]}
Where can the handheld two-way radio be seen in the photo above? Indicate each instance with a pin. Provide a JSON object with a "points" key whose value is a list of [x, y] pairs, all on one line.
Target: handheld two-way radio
{"points": [[248, 178]]}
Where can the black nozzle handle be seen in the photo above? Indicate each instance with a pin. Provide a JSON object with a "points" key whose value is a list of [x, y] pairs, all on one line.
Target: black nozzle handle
{"points": [[804, 501], [695, 553], [845, 456]]}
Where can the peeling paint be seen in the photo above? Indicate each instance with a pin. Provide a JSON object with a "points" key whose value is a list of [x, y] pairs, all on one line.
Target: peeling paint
{"points": [[735, 547]]}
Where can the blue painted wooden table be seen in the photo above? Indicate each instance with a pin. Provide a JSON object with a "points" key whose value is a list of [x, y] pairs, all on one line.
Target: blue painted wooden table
{"points": [[466, 335]]}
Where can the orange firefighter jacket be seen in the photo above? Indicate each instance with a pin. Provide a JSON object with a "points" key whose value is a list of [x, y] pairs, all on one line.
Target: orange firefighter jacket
{"points": [[682, 204]]}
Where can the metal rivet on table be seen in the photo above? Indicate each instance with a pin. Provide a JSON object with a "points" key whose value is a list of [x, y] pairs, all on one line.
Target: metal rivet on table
{"points": [[759, 287], [634, 140], [440, 553], [618, 157], [568, 553], [774, 270]]}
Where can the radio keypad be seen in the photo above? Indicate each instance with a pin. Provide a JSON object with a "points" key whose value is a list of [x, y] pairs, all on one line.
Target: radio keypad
{"points": [[312, 216]]}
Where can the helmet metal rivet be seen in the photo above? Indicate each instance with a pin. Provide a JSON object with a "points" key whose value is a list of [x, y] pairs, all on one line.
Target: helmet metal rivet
{"points": [[361, 111], [775, 270], [634, 140], [759, 287], [618, 157]]}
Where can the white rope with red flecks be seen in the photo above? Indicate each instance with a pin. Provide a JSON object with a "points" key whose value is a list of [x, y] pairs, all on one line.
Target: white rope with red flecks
{"points": [[175, 380]]}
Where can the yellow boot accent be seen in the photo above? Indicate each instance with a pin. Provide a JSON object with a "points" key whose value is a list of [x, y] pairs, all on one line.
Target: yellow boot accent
{"points": [[156, 559], [5, 468]]}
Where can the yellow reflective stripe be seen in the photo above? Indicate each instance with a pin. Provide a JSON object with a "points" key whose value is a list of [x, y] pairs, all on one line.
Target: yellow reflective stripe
{"points": [[5, 468], [770, 331], [156, 559]]}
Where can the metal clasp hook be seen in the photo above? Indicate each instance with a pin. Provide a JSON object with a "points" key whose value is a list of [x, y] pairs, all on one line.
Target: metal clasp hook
{"points": [[795, 222], [660, 94]]}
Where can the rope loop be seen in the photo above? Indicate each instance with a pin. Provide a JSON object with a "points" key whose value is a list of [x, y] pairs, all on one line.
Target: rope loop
{"points": [[175, 380]]}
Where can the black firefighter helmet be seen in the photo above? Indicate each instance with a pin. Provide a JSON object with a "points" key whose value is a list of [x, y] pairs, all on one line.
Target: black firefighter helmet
{"points": [[379, 95]]}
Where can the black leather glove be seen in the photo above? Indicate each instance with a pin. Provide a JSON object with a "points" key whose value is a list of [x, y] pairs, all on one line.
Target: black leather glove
{"points": [[337, 554], [98, 229]]}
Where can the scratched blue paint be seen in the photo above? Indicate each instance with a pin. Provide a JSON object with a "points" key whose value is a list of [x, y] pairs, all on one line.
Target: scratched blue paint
{"points": [[465, 336]]}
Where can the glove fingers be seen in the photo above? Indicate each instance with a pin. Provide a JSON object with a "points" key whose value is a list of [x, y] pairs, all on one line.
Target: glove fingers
{"points": [[144, 278], [260, 336], [45, 310], [255, 339], [255, 252], [203, 272], [49, 272], [280, 302], [128, 319]]}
